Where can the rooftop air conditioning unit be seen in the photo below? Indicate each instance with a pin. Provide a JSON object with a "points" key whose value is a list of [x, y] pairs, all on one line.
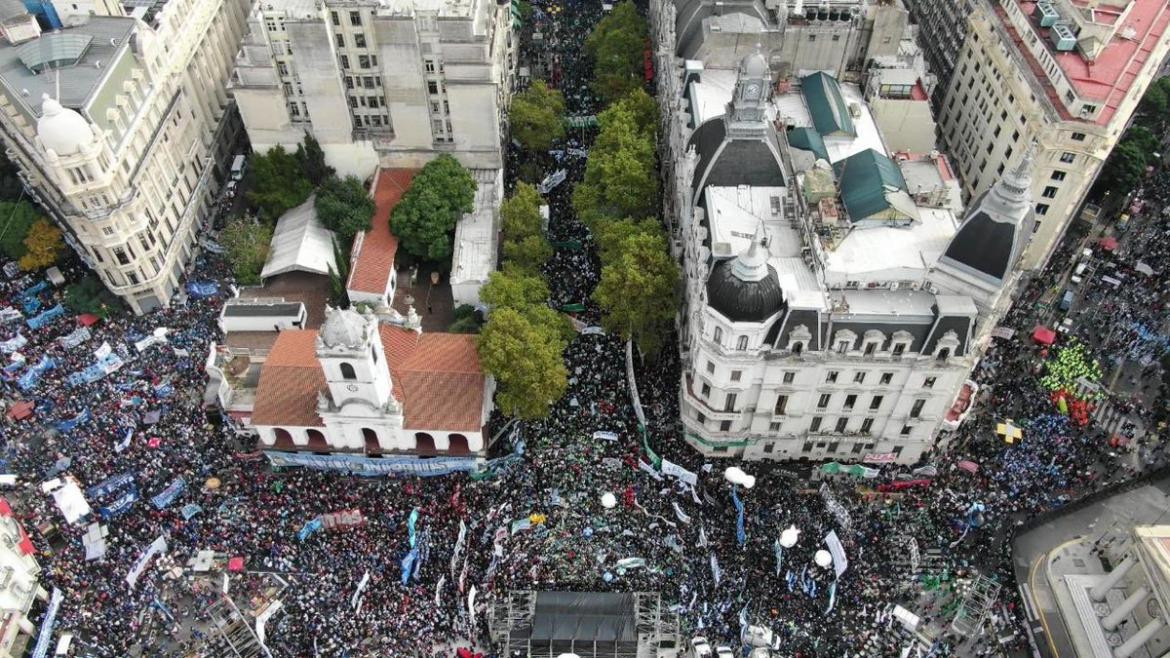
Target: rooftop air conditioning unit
{"points": [[1046, 14], [1062, 37], [855, 110]]}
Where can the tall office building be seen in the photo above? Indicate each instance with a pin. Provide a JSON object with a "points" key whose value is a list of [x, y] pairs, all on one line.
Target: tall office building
{"points": [[121, 127], [942, 28], [1065, 74], [387, 84]]}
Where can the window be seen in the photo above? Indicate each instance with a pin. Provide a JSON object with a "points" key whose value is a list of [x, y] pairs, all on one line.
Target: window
{"points": [[729, 402], [344, 62], [725, 426], [1068, 158], [718, 335], [897, 451], [842, 346], [287, 89], [916, 410], [1049, 192], [815, 425], [812, 37], [294, 110], [339, 39], [359, 40], [355, 18], [701, 418], [1058, 175], [334, 18], [1078, 137], [906, 429], [797, 348], [735, 375], [282, 67], [850, 400], [770, 447], [870, 348], [789, 377], [944, 354], [706, 390], [349, 82], [831, 377], [899, 348], [807, 447], [842, 423], [741, 343], [824, 400], [368, 81], [120, 254], [363, 61], [347, 371], [710, 367], [875, 402], [432, 87], [866, 426], [1088, 109], [429, 65], [859, 377], [781, 405], [929, 382], [887, 377]]}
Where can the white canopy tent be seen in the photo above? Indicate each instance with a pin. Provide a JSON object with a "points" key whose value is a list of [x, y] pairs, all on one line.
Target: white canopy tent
{"points": [[300, 243]]}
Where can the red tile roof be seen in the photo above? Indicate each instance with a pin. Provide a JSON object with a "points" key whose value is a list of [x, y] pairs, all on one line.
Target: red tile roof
{"points": [[377, 247], [289, 381], [437, 378]]}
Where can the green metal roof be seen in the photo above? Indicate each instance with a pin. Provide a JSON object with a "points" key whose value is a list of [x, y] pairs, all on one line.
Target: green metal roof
{"points": [[807, 139], [830, 112], [864, 179]]}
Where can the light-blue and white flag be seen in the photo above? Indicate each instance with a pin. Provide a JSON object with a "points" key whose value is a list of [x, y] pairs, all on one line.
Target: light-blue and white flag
{"points": [[410, 523], [832, 597], [779, 551]]}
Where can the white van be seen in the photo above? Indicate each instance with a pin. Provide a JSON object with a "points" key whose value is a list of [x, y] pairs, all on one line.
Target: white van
{"points": [[238, 167]]}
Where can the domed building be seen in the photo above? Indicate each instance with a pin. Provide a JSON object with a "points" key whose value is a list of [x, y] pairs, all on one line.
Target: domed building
{"points": [[122, 132]]}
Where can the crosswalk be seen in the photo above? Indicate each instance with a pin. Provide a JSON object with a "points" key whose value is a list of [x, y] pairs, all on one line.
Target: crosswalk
{"points": [[1114, 420]]}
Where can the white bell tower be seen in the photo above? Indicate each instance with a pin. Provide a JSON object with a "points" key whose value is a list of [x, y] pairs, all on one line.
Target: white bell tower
{"points": [[349, 348]]}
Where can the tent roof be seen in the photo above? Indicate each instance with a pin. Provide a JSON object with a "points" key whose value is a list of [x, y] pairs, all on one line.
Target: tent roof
{"points": [[870, 183], [1043, 335], [826, 105], [300, 243], [584, 616], [808, 139]]}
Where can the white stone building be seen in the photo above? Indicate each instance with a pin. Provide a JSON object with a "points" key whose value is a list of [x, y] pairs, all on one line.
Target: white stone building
{"points": [[362, 387], [122, 129], [19, 585], [833, 307], [1064, 74], [387, 84]]}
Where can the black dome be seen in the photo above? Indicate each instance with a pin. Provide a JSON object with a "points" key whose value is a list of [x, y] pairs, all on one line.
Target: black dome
{"points": [[743, 301]]}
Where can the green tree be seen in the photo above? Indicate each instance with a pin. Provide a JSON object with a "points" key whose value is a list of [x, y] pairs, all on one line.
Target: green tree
{"points": [[312, 160], [42, 245], [467, 320], [425, 219], [617, 44], [536, 117], [16, 218], [513, 288], [89, 296], [343, 205], [246, 242], [338, 295], [621, 176], [641, 108], [610, 236], [520, 213], [11, 189], [637, 291], [529, 254], [276, 183], [526, 361]]}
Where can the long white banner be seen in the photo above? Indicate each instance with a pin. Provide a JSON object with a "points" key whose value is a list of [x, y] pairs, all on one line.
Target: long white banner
{"points": [[157, 546]]}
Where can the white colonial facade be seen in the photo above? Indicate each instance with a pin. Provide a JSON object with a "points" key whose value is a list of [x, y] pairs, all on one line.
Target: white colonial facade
{"points": [[379, 84], [121, 129]]}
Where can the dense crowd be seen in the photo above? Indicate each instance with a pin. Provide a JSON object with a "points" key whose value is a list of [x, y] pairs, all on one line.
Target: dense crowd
{"points": [[541, 524]]}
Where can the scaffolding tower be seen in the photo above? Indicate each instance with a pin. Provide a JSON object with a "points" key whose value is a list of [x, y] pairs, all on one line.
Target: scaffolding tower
{"points": [[976, 605]]}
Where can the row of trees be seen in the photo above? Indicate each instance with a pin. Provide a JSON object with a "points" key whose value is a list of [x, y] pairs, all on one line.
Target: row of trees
{"points": [[619, 201]]}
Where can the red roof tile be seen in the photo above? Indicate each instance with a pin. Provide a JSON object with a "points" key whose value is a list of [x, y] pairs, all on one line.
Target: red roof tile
{"points": [[437, 377], [375, 258], [289, 382]]}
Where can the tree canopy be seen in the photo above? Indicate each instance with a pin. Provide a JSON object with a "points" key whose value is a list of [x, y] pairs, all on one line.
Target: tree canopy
{"points": [[42, 245], [312, 160], [530, 254], [617, 45], [343, 205], [610, 236], [246, 242], [277, 182], [536, 117], [515, 288], [89, 296], [525, 358], [621, 176], [520, 213], [637, 290], [16, 219], [1127, 163], [425, 219]]}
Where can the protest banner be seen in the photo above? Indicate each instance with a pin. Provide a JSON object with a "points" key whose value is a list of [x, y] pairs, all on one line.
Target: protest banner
{"points": [[157, 546], [168, 495], [840, 562]]}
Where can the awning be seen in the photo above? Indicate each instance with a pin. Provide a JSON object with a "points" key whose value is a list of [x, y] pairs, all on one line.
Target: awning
{"points": [[87, 319], [1043, 335], [21, 410], [1108, 243]]}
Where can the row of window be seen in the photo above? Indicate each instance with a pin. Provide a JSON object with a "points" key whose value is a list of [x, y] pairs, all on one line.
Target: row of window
{"points": [[816, 425], [359, 40], [355, 18]]}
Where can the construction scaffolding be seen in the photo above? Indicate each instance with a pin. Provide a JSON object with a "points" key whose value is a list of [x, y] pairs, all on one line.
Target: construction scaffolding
{"points": [[976, 606]]}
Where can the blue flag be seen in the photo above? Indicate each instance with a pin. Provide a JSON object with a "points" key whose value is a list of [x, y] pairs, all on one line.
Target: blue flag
{"points": [[408, 565], [410, 523], [740, 534], [779, 550], [309, 528]]}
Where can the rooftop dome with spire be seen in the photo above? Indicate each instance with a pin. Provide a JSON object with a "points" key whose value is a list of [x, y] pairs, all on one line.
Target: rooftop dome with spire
{"points": [[344, 328], [61, 129], [745, 288], [997, 225], [755, 65]]}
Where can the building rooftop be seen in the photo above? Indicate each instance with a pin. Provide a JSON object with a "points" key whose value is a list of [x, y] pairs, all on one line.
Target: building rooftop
{"points": [[300, 243], [70, 64], [474, 256], [377, 247]]}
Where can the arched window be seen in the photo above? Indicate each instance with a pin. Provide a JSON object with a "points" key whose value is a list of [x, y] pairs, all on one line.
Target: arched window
{"points": [[458, 444], [797, 347], [371, 439], [317, 442], [943, 354], [283, 439], [347, 371], [424, 443]]}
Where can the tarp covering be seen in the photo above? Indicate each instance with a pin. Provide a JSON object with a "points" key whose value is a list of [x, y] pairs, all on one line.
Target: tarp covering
{"points": [[584, 617], [1043, 335], [300, 243]]}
